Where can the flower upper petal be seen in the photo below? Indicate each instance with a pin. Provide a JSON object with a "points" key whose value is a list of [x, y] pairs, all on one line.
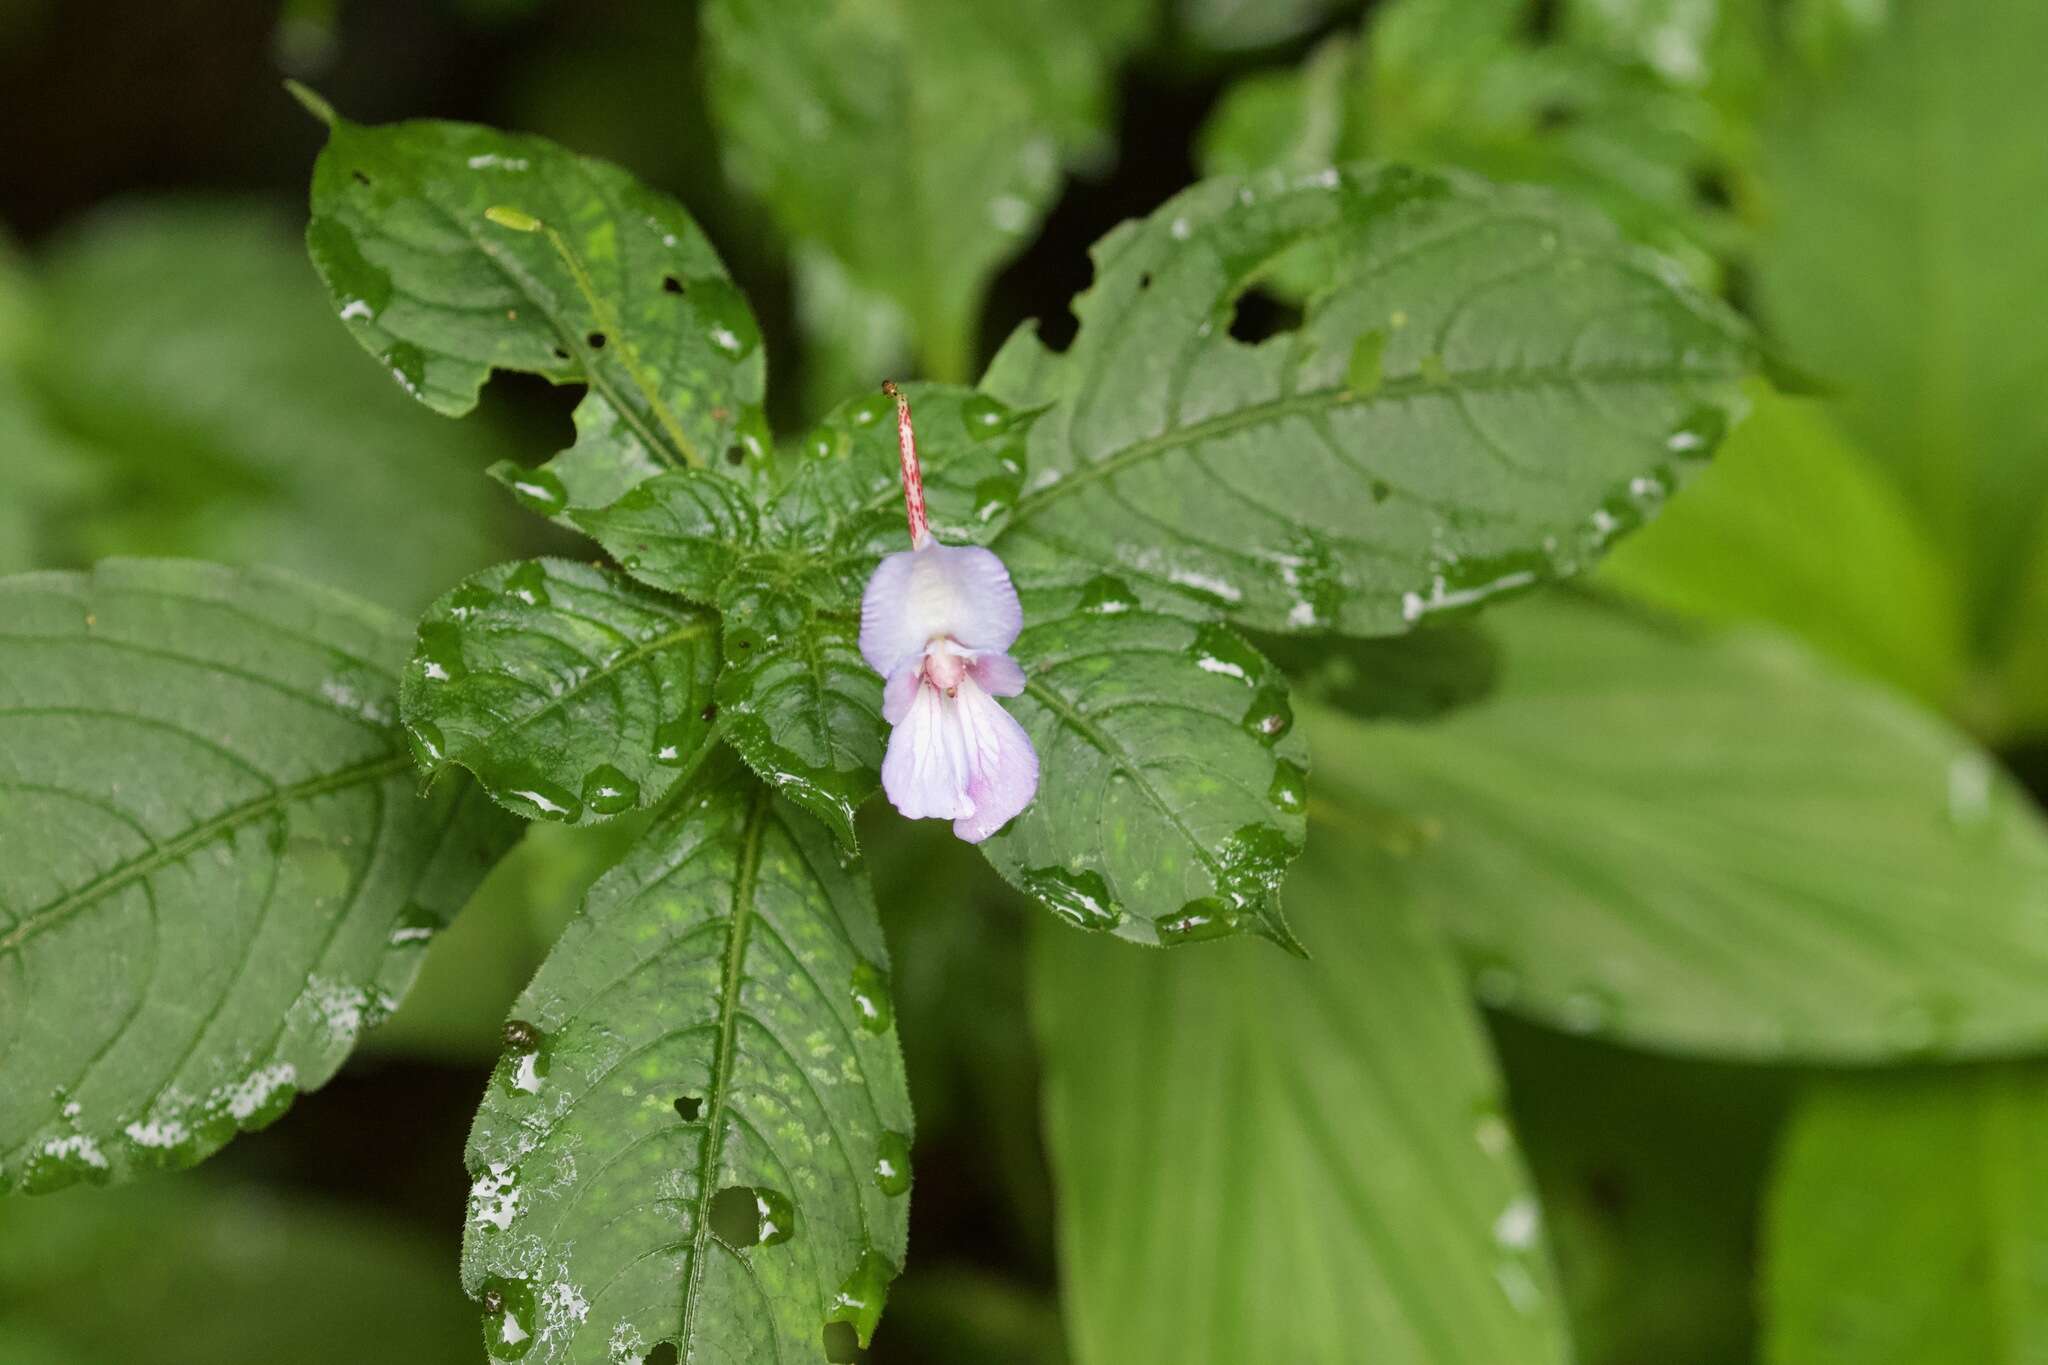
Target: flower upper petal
{"points": [[957, 591]]}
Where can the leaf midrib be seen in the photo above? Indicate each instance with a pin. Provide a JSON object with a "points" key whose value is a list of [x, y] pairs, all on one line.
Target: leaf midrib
{"points": [[744, 877], [197, 837], [1325, 400]]}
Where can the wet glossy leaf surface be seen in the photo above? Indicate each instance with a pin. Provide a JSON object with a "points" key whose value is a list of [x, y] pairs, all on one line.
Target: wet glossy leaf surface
{"points": [[919, 141], [1906, 1221], [1534, 389], [214, 870], [1173, 792], [619, 291], [1260, 1158], [787, 572], [572, 693], [693, 1136], [1717, 845]]}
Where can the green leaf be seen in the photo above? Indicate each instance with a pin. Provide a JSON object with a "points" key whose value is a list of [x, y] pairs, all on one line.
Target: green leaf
{"points": [[1534, 382], [1259, 1158], [1906, 1219], [1904, 215], [190, 398], [194, 1270], [1716, 845], [1459, 82], [1794, 525], [214, 871], [1173, 790], [614, 288], [700, 1134], [795, 697], [918, 141], [1241, 25], [572, 693]]}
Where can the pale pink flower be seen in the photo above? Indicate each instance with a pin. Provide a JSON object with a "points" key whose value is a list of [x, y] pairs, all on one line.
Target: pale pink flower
{"points": [[937, 622]]}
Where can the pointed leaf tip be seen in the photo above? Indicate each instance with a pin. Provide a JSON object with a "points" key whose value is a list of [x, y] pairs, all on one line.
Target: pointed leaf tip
{"points": [[312, 103]]}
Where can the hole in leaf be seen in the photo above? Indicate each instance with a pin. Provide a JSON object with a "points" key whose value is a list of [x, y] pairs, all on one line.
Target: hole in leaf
{"points": [[561, 353], [360, 178], [689, 1106], [664, 1354], [1259, 316], [842, 1343], [595, 341], [734, 1219], [671, 284], [1145, 280], [735, 454]]}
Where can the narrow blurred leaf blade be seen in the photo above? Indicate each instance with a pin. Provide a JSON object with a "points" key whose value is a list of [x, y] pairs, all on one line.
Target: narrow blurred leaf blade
{"points": [[1259, 1158]]}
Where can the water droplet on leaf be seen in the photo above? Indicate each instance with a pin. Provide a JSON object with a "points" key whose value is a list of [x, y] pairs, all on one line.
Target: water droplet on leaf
{"points": [[871, 1002], [608, 791], [1082, 899], [1289, 791], [892, 1163]]}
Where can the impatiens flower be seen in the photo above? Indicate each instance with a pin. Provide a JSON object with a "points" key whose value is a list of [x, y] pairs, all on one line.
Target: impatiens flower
{"points": [[937, 622]]}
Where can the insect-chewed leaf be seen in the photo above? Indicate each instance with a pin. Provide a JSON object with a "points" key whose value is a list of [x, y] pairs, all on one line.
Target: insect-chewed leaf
{"points": [[213, 870], [796, 698], [699, 1136], [572, 693], [592, 279], [1175, 789], [1491, 387]]}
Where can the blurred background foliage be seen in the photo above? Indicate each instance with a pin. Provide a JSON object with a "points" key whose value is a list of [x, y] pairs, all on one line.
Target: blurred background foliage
{"points": [[1859, 175]]}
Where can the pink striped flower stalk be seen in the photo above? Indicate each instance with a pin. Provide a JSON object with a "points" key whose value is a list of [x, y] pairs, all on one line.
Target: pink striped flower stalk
{"points": [[937, 622]]}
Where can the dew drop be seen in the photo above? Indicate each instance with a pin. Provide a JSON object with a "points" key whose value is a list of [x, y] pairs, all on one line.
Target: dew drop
{"points": [[470, 598], [867, 411], [539, 799], [429, 746], [1585, 1011], [440, 652], [528, 583], [1699, 432], [1205, 918], [537, 490], [728, 322], [608, 791], [984, 416], [1270, 716], [509, 1322], [1219, 649], [408, 366], [871, 1002], [994, 497], [858, 1301], [1106, 595], [822, 443], [674, 741], [892, 1163], [1289, 791], [1082, 899]]}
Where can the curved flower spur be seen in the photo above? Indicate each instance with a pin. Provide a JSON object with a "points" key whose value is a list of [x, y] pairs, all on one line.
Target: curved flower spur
{"points": [[937, 622]]}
